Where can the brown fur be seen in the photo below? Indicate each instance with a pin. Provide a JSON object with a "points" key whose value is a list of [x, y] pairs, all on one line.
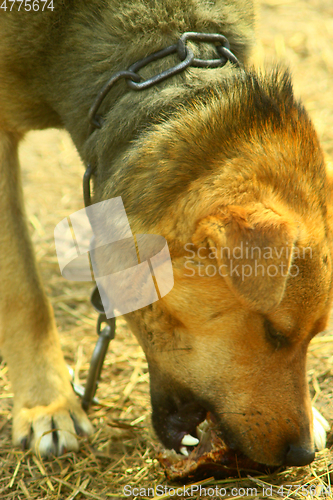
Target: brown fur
{"points": [[210, 158]]}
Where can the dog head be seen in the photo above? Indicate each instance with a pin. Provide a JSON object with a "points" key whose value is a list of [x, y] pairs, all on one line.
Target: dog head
{"points": [[231, 337], [245, 212]]}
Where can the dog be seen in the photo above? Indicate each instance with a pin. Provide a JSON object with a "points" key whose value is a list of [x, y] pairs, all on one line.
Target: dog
{"points": [[222, 162]]}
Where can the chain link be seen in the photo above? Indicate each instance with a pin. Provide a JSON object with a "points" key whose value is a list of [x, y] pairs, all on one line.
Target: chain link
{"points": [[186, 56]]}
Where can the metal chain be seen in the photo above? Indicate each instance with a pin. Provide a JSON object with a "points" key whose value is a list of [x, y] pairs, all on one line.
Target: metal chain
{"points": [[106, 334], [136, 82], [186, 56]]}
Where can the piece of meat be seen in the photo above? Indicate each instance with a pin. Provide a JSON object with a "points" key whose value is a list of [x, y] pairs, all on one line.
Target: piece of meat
{"points": [[211, 457]]}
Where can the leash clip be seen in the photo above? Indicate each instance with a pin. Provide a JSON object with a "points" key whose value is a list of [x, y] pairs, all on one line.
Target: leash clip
{"points": [[105, 335]]}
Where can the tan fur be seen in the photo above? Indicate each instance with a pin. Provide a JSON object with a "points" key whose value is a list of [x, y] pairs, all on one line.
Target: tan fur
{"points": [[210, 158]]}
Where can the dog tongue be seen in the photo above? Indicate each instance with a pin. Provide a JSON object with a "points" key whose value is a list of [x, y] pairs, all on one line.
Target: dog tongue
{"points": [[211, 457]]}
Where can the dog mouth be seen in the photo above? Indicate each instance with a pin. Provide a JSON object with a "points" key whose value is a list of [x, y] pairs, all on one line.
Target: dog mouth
{"points": [[204, 453], [196, 443]]}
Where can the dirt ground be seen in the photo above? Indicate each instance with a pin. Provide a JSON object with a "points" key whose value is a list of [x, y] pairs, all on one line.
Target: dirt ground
{"points": [[122, 451]]}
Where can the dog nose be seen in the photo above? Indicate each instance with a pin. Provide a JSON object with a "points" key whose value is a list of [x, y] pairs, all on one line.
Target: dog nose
{"points": [[298, 456]]}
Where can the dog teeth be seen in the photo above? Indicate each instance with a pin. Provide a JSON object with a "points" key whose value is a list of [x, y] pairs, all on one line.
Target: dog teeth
{"points": [[183, 451], [189, 440]]}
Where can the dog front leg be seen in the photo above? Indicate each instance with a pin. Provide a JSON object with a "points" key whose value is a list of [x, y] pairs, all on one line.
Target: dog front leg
{"points": [[47, 414]]}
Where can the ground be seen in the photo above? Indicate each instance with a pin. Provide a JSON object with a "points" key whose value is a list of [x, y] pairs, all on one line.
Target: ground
{"points": [[122, 451]]}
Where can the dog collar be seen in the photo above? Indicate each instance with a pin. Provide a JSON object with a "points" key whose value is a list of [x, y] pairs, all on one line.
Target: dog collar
{"points": [[186, 59]]}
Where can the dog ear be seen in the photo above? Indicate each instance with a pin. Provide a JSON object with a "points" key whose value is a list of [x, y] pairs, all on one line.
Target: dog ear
{"points": [[254, 249]]}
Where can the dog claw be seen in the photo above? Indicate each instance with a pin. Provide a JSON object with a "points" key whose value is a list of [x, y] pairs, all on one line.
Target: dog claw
{"points": [[24, 444], [189, 440], [183, 451], [77, 428]]}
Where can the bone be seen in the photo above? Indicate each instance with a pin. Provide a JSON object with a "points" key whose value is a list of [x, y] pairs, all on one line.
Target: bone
{"points": [[320, 427], [318, 416], [189, 440]]}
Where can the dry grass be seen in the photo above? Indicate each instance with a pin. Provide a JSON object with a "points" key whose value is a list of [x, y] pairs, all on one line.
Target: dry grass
{"points": [[122, 450]]}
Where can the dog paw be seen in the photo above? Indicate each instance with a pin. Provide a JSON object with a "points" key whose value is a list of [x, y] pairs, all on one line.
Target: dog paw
{"points": [[320, 427], [51, 430]]}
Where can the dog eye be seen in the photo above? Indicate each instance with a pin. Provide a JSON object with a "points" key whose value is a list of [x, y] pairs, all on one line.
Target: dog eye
{"points": [[276, 338]]}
